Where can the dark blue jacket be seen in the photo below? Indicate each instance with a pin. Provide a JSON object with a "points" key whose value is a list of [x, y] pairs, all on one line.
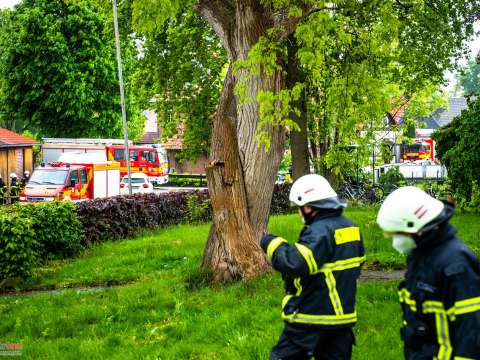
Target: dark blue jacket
{"points": [[440, 298], [320, 271]]}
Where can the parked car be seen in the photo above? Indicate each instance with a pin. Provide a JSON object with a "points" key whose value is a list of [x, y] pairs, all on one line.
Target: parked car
{"points": [[140, 184]]}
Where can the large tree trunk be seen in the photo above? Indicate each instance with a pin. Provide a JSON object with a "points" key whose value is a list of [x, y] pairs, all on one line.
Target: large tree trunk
{"points": [[241, 174], [298, 139], [232, 250]]}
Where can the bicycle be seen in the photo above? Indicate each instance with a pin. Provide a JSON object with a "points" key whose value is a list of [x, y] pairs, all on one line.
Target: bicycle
{"points": [[370, 194]]}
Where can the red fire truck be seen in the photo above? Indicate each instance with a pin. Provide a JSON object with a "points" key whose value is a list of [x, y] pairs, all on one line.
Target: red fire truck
{"points": [[422, 149], [150, 160], [78, 180]]}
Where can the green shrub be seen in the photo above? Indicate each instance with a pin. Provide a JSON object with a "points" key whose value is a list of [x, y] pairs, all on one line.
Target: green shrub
{"points": [[391, 180], [58, 230], [199, 208], [17, 245]]}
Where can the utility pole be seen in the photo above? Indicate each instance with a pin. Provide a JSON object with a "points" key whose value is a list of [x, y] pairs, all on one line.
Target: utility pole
{"points": [[122, 94]]}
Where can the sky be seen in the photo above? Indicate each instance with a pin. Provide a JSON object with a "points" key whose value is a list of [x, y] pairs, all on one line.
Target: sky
{"points": [[8, 3], [474, 45]]}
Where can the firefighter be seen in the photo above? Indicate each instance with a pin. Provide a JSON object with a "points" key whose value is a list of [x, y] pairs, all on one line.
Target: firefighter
{"points": [[440, 296], [14, 188], [2, 190], [320, 272], [25, 178]]}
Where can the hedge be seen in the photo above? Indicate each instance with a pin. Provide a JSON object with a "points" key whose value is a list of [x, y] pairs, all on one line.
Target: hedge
{"points": [[17, 245], [32, 233]]}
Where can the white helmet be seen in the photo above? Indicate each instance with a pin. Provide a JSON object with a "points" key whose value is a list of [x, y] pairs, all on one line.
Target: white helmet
{"points": [[310, 188], [13, 175], [26, 172], [408, 210]]}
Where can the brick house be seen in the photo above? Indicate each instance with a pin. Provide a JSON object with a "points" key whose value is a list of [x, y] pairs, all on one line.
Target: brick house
{"points": [[16, 153], [152, 135]]}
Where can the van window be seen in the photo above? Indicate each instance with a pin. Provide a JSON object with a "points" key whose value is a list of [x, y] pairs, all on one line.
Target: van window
{"points": [[83, 176], [133, 155], [119, 154], [74, 177], [151, 156], [145, 156]]}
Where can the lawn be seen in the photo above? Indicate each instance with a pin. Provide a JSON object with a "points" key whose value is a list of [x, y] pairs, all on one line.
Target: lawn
{"points": [[159, 308]]}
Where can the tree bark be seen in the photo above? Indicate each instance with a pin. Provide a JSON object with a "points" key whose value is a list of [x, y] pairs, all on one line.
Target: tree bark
{"points": [[298, 139]]}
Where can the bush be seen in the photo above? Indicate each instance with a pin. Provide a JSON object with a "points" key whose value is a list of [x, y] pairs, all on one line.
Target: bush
{"points": [[391, 180], [58, 231], [17, 245], [123, 216], [199, 207]]}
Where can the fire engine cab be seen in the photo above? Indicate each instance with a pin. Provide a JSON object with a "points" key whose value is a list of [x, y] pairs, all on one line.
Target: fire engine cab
{"points": [[76, 181], [422, 149]]}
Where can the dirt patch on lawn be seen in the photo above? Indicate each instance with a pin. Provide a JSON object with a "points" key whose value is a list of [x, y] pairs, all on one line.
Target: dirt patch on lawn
{"points": [[381, 275]]}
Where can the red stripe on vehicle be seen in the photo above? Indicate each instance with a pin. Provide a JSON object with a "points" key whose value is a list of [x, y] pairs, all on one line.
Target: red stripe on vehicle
{"points": [[418, 210], [309, 190]]}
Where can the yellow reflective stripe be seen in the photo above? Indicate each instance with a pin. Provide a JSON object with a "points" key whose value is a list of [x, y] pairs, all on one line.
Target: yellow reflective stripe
{"points": [[285, 300], [464, 307], [405, 297], [320, 319], [346, 235], [274, 244], [298, 286], [343, 264], [333, 293], [443, 336], [462, 358], [433, 307], [441, 323], [308, 256]]}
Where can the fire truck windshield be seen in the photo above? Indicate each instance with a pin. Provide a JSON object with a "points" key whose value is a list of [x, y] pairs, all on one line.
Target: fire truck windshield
{"points": [[417, 148], [48, 177]]}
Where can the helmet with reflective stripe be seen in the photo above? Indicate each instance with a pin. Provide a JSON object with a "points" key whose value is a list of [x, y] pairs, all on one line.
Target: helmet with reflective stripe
{"points": [[408, 210], [311, 188]]}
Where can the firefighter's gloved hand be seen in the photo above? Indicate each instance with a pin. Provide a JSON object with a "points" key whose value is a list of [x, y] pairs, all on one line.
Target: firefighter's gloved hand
{"points": [[265, 240]]}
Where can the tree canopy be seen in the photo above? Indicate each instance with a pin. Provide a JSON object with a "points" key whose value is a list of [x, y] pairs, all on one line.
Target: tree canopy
{"points": [[181, 73], [469, 78], [459, 149], [58, 69]]}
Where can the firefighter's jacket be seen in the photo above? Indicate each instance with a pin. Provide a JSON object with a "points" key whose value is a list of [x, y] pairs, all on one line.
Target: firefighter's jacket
{"points": [[320, 271], [440, 299]]}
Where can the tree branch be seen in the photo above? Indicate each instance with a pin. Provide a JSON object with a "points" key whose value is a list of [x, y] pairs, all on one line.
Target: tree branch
{"points": [[287, 23], [220, 14]]}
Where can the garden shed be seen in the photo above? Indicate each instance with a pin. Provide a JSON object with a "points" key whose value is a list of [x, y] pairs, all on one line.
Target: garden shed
{"points": [[16, 153]]}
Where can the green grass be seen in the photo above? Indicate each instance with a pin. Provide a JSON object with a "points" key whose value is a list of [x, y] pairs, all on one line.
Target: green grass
{"points": [[159, 312], [162, 319]]}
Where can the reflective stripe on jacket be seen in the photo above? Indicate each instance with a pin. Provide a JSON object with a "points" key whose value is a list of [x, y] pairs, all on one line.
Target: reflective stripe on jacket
{"points": [[440, 299], [320, 271]]}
